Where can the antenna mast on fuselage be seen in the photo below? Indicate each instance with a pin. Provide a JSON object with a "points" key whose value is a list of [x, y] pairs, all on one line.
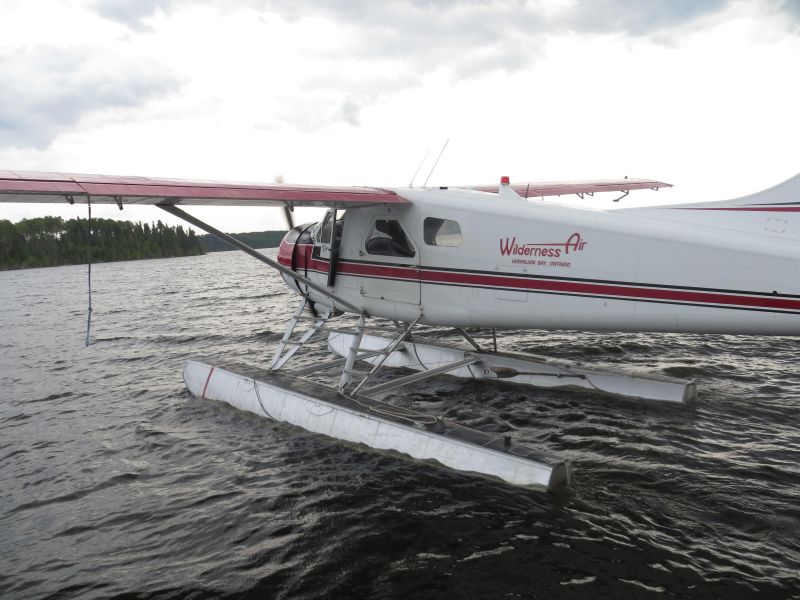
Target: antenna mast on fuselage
{"points": [[436, 163]]}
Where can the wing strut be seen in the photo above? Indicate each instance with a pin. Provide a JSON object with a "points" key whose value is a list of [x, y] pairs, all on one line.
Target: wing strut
{"points": [[174, 210]]}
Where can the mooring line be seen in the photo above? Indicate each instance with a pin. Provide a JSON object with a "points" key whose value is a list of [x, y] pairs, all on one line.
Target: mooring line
{"points": [[89, 273]]}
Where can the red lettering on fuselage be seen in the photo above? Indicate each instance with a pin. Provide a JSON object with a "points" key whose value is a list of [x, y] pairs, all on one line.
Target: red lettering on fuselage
{"points": [[510, 247]]}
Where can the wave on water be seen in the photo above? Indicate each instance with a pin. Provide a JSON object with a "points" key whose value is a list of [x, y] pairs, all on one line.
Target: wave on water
{"points": [[116, 482]]}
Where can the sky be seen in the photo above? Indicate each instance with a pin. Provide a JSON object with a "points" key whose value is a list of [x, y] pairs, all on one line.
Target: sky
{"points": [[700, 94]]}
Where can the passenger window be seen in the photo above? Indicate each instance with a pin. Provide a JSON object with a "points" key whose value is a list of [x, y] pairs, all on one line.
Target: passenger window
{"points": [[442, 232], [387, 238]]}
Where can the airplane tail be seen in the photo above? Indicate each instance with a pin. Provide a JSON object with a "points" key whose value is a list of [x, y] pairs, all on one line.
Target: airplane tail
{"points": [[773, 212]]}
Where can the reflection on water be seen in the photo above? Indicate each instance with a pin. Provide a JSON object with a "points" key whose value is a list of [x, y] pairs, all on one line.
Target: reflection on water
{"points": [[114, 480]]}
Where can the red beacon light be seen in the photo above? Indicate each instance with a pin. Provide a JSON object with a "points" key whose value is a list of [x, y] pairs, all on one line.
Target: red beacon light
{"points": [[505, 180]]}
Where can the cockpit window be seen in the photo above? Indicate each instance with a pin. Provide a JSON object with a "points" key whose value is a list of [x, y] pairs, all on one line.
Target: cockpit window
{"points": [[442, 232], [387, 238], [321, 233]]}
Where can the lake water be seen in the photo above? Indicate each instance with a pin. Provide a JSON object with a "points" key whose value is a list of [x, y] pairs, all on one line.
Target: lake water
{"points": [[116, 482]]}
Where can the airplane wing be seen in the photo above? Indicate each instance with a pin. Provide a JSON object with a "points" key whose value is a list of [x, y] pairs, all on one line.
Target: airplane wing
{"points": [[564, 188], [31, 187]]}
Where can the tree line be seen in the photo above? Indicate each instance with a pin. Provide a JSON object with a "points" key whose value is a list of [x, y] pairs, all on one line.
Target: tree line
{"points": [[52, 241], [254, 239]]}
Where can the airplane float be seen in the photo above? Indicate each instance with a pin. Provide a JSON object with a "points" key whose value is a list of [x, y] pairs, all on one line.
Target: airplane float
{"points": [[476, 257]]}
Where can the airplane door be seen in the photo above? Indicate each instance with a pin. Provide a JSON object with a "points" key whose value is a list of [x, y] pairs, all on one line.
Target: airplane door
{"points": [[327, 238], [389, 262]]}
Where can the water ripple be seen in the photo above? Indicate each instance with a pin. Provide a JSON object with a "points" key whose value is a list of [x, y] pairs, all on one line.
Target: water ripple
{"points": [[115, 482]]}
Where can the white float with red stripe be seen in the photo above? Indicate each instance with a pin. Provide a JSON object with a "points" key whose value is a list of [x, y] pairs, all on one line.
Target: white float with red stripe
{"points": [[361, 420]]}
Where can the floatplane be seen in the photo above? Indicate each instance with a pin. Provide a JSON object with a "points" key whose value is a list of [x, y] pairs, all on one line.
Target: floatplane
{"points": [[473, 258]]}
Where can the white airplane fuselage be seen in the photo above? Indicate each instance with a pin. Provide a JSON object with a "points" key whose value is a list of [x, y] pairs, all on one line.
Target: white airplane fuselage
{"points": [[518, 263]]}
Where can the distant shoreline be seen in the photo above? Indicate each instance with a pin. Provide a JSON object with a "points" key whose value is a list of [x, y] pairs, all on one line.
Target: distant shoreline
{"points": [[254, 239], [55, 242]]}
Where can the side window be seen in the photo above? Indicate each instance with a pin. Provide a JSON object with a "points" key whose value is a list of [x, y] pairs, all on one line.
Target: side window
{"points": [[387, 238], [442, 232]]}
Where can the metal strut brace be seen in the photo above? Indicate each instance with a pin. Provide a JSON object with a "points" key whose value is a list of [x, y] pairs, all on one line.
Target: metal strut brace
{"points": [[352, 355], [335, 363], [469, 338], [400, 382], [389, 349], [174, 210], [282, 355]]}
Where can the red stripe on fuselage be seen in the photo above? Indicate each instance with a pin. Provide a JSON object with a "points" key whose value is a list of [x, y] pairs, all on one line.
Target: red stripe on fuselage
{"points": [[554, 286], [628, 292]]}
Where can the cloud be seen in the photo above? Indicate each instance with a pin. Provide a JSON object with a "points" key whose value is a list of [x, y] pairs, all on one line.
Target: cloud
{"points": [[349, 111], [791, 10], [47, 90], [129, 12], [468, 37], [791, 7], [637, 17], [457, 23], [463, 37], [348, 56]]}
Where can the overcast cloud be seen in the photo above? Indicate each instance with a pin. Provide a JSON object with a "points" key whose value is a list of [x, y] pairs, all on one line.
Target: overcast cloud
{"points": [[377, 50], [47, 90], [471, 22], [634, 16], [466, 37], [129, 12]]}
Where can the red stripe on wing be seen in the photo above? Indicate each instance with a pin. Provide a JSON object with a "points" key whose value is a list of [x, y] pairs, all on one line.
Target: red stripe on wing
{"points": [[50, 187]]}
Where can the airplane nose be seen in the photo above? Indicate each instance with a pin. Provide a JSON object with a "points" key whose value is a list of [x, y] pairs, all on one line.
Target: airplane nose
{"points": [[295, 251]]}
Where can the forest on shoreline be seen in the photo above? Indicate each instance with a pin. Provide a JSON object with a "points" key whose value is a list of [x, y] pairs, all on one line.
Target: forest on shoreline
{"points": [[53, 241], [254, 239]]}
